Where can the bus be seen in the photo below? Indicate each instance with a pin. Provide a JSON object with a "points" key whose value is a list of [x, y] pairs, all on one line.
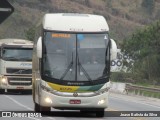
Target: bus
{"points": [[15, 65], [71, 63]]}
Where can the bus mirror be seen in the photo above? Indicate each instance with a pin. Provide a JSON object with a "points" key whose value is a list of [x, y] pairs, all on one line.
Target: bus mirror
{"points": [[113, 50], [39, 47]]}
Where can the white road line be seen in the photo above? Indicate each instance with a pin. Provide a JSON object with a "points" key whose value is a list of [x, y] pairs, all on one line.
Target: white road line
{"points": [[28, 108], [18, 103], [135, 102]]}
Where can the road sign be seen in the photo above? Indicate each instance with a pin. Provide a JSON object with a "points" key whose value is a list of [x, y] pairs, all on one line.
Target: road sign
{"points": [[6, 9]]}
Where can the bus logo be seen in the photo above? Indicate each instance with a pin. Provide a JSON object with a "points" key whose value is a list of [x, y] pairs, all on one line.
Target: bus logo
{"points": [[75, 94]]}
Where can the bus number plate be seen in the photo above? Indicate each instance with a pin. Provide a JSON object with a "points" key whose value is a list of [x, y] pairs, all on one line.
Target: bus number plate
{"points": [[75, 101]]}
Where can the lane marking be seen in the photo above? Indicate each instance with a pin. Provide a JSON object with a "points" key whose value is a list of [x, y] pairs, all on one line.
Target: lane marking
{"points": [[135, 102], [28, 108], [18, 103]]}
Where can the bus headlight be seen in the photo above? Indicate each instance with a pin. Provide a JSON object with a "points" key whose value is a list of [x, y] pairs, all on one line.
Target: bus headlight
{"points": [[100, 102], [48, 100], [4, 80]]}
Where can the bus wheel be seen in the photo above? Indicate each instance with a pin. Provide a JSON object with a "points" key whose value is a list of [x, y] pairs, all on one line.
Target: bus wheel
{"points": [[36, 107], [45, 109], [2, 91], [100, 113]]}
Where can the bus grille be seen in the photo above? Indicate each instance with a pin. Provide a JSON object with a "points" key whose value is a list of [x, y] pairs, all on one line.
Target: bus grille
{"points": [[20, 81]]}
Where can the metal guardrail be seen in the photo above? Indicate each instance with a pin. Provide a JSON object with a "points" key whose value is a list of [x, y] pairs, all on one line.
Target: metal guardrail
{"points": [[130, 87]]}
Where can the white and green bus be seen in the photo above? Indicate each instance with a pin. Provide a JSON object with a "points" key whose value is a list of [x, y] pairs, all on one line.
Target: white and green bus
{"points": [[71, 63]]}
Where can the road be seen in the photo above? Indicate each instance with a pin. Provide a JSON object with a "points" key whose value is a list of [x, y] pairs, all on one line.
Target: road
{"points": [[117, 102]]}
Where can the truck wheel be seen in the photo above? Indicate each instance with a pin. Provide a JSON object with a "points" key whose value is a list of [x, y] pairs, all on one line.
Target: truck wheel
{"points": [[2, 91], [100, 113]]}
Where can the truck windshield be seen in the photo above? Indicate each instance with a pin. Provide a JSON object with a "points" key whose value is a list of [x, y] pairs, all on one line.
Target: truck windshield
{"points": [[75, 57], [17, 54]]}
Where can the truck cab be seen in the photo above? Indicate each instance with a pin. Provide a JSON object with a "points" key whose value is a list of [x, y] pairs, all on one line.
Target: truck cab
{"points": [[15, 65]]}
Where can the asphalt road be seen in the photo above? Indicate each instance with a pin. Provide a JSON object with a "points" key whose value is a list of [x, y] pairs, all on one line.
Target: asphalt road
{"points": [[117, 102]]}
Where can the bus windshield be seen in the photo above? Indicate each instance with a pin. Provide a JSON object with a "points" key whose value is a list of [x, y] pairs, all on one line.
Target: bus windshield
{"points": [[17, 54], [75, 57]]}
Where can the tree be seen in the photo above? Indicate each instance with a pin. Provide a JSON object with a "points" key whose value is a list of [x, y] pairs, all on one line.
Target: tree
{"points": [[30, 33], [144, 44]]}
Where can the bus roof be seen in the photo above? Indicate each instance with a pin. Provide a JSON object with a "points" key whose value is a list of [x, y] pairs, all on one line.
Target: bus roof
{"points": [[75, 22]]}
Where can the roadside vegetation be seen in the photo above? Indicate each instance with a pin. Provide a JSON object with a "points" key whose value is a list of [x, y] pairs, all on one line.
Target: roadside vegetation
{"points": [[144, 47]]}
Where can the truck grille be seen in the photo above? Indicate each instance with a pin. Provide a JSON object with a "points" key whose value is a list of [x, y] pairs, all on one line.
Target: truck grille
{"points": [[20, 81], [19, 71]]}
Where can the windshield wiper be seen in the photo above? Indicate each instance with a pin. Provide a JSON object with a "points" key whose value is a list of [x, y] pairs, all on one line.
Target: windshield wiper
{"points": [[83, 70], [68, 68]]}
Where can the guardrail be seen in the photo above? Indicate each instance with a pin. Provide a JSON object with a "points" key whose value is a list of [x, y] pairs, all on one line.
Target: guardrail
{"points": [[141, 90]]}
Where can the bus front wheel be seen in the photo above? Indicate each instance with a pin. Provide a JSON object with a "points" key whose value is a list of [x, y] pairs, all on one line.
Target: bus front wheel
{"points": [[100, 113], [45, 109], [38, 108]]}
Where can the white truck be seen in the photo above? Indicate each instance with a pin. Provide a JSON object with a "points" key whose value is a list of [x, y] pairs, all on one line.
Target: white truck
{"points": [[71, 63], [15, 65]]}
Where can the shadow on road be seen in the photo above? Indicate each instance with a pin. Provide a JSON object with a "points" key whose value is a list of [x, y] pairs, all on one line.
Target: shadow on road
{"points": [[68, 114], [16, 92]]}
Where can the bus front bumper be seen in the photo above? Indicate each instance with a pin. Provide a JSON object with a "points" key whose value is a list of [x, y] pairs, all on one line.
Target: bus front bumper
{"points": [[48, 99]]}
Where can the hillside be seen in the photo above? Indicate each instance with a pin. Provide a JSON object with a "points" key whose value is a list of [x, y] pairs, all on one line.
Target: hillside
{"points": [[123, 16]]}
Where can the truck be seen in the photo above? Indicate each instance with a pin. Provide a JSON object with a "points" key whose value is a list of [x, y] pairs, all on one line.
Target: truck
{"points": [[15, 65], [71, 63]]}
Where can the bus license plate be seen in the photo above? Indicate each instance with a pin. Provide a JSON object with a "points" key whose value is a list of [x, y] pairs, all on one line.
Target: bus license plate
{"points": [[75, 101]]}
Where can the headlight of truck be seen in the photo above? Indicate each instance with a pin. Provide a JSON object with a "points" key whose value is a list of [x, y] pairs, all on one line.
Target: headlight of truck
{"points": [[4, 80]]}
